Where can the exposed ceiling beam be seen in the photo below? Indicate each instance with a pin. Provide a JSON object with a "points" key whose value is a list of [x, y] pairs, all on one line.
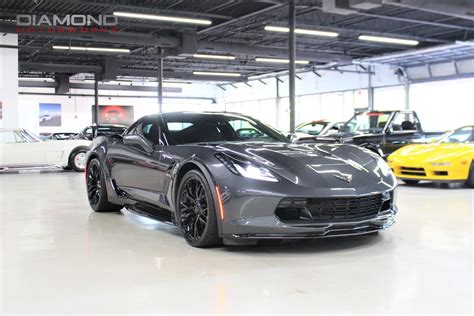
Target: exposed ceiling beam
{"points": [[463, 9], [70, 69], [105, 37], [270, 52], [90, 86], [145, 9]]}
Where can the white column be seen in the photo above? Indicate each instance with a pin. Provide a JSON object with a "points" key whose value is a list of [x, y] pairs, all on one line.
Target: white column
{"points": [[9, 81]]}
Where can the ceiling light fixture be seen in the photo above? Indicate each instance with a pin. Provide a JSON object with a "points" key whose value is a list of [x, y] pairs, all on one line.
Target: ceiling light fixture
{"points": [[280, 61], [93, 49], [156, 17], [211, 73], [300, 31], [206, 56], [389, 40]]}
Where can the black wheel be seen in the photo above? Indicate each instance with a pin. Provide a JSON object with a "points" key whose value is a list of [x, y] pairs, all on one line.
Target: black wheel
{"points": [[77, 159], [97, 190], [196, 211], [470, 179], [411, 182]]}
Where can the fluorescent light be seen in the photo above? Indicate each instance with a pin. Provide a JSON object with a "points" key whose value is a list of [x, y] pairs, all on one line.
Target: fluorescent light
{"points": [[162, 18], [93, 49], [389, 40], [300, 31], [211, 73], [280, 61], [205, 56]]}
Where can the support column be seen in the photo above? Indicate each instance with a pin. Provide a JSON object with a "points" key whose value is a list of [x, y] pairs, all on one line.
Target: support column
{"points": [[278, 104], [160, 81], [9, 82], [407, 95], [95, 116], [292, 57], [370, 90]]}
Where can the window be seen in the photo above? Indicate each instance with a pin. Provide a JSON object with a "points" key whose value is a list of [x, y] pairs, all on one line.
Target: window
{"points": [[404, 122], [367, 122], [462, 135], [313, 128], [205, 128], [149, 130]]}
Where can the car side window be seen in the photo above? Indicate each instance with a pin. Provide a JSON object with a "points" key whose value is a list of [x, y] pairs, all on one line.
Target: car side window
{"points": [[405, 122], [150, 130]]}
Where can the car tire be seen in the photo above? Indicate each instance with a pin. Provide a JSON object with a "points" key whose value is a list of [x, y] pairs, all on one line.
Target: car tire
{"points": [[97, 189], [77, 159], [470, 180], [196, 211], [411, 182]]}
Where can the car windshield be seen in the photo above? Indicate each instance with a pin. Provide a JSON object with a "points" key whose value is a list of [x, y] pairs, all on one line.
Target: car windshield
{"points": [[110, 130], [367, 122], [313, 128], [461, 135], [30, 136], [218, 128]]}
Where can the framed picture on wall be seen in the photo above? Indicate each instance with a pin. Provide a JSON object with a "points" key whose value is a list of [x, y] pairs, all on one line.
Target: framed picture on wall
{"points": [[49, 114], [115, 114], [1, 110]]}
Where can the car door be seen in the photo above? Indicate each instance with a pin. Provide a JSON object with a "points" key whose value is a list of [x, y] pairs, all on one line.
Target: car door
{"points": [[403, 130], [19, 149], [137, 163]]}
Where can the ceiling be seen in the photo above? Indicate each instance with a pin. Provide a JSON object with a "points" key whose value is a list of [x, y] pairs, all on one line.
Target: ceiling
{"points": [[237, 29]]}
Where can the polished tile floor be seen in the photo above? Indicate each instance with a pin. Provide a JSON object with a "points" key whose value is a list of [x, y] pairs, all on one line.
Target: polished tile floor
{"points": [[59, 257]]}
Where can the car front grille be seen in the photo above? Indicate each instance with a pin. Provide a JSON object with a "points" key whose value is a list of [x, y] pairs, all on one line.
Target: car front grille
{"points": [[410, 171], [331, 209]]}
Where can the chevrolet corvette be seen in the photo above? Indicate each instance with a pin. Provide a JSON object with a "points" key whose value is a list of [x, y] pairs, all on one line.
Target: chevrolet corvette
{"points": [[450, 159], [225, 177]]}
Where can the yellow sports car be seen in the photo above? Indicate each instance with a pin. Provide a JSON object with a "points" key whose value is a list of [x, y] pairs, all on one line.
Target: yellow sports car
{"points": [[451, 158]]}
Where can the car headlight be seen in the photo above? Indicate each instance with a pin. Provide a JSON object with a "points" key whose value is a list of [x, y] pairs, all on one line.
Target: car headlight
{"points": [[440, 164], [245, 168], [384, 168]]}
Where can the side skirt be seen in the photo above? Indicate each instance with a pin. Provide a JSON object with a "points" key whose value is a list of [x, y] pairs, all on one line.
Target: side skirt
{"points": [[152, 212]]}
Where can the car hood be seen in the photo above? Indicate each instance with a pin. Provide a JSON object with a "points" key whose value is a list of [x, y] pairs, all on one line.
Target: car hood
{"points": [[433, 152], [317, 165]]}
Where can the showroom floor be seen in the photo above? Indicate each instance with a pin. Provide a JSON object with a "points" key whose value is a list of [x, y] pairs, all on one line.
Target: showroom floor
{"points": [[58, 256]]}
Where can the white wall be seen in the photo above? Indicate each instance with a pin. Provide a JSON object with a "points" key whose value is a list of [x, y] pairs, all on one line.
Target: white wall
{"points": [[76, 111], [333, 96], [443, 105]]}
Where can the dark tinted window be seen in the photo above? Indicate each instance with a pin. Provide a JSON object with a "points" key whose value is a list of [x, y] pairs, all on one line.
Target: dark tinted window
{"points": [[149, 129], [203, 128]]}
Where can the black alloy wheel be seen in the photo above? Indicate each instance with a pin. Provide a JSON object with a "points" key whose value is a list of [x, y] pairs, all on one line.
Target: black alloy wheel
{"points": [[196, 211], [470, 179], [97, 190]]}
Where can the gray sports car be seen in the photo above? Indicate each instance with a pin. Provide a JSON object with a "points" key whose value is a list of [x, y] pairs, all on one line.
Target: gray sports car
{"points": [[228, 177]]}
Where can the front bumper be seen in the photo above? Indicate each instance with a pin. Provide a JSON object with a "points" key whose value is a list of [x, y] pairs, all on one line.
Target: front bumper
{"points": [[269, 227], [430, 173]]}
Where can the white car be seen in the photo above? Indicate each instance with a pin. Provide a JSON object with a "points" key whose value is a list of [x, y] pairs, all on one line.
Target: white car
{"points": [[21, 148], [44, 118]]}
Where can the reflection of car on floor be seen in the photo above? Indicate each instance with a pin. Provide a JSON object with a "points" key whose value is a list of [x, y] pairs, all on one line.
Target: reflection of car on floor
{"points": [[222, 176], [381, 131], [449, 159], [90, 132], [314, 128], [21, 148], [44, 118]]}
